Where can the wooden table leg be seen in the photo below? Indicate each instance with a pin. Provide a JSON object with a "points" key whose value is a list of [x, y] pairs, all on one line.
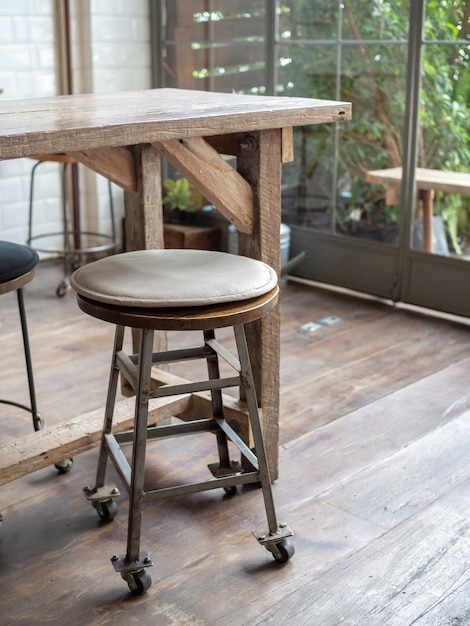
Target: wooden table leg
{"points": [[427, 197], [143, 207], [259, 161], [144, 222]]}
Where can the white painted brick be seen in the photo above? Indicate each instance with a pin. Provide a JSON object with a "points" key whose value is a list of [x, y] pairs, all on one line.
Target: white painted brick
{"points": [[18, 7], [41, 7], [140, 29], [120, 7], [138, 8], [42, 29], [10, 190], [15, 167], [109, 28], [15, 57], [7, 84], [45, 58], [6, 30], [15, 215], [22, 29], [106, 7], [139, 79], [37, 85]]}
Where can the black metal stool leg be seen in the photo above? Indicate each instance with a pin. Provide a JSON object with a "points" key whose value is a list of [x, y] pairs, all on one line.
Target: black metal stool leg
{"points": [[38, 421]]}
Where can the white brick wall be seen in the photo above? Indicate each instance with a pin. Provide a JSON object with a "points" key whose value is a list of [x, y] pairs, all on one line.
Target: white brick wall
{"points": [[113, 54], [27, 69]]}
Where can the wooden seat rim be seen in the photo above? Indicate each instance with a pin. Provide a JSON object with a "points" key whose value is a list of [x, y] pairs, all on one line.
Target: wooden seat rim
{"points": [[16, 283], [183, 318]]}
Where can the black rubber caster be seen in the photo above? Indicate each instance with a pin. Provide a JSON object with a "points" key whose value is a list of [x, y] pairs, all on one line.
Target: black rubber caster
{"points": [[62, 289], [231, 491], [285, 551], [139, 582], [106, 510], [64, 466]]}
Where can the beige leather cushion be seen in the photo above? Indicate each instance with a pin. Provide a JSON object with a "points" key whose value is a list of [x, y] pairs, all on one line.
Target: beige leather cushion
{"points": [[173, 278]]}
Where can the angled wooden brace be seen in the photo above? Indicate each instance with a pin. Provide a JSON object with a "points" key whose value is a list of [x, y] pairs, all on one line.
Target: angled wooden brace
{"points": [[212, 176]]}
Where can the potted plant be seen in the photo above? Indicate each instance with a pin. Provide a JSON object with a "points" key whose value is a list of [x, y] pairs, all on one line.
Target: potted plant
{"points": [[185, 220], [181, 200]]}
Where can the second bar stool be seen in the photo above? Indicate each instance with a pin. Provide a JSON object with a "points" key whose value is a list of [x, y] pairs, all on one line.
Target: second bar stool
{"points": [[76, 244], [179, 290]]}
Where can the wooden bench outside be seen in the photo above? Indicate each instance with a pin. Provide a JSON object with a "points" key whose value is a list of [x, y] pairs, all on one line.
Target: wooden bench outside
{"points": [[428, 181]]}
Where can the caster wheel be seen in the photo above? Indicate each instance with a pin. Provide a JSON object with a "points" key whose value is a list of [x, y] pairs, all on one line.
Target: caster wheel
{"points": [[286, 551], [64, 466], [62, 289], [139, 582], [106, 510], [231, 491]]}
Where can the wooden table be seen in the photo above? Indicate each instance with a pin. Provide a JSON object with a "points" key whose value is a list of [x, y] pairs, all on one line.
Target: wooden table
{"points": [[427, 182], [122, 135]]}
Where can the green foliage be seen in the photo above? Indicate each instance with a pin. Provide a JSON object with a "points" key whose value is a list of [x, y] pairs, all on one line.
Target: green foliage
{"points": [[179, 194], [372, 63]]}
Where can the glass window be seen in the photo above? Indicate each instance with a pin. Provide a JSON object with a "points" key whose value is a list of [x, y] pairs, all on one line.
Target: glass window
{"points": [[215, 46], [442, 214], [355, 52]]}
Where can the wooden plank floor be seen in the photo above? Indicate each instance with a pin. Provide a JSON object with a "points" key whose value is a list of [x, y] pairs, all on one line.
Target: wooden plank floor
{"points": [[374, 480]]}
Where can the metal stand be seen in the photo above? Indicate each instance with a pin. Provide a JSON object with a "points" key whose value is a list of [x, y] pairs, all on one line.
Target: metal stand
{"points": [[72, 250], [38, 420]]}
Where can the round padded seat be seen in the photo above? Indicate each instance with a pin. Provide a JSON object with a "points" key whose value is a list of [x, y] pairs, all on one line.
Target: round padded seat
{"points": [[16, 260], [173, 278]]}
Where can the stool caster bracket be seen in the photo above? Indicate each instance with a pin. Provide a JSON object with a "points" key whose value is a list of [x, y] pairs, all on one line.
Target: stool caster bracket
{"points": [[134, 573], [265, 538], [219, 471], [277, 543], [101, 494], [123, 566]]}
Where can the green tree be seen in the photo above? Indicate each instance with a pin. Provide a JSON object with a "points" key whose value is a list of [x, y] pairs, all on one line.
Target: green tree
{"points": [[357, 51]]}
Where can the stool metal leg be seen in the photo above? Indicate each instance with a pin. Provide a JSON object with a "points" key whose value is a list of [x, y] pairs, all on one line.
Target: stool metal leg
{"points": [[139, 446], [101, 495], [38, 420], [225, 466], [275, 538], [132, 566]]}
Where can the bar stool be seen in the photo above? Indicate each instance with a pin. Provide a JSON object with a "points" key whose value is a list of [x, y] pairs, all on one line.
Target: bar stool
{"points": [[73, 248], [179, 290], [17, 268]]}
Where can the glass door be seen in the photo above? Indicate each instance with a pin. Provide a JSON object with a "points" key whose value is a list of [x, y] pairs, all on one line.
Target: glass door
{"points": [[382, 203], [338, 211], [436, 268]]}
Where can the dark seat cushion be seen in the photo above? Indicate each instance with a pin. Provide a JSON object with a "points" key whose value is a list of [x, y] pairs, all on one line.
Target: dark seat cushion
{"points": [[15, 260]]}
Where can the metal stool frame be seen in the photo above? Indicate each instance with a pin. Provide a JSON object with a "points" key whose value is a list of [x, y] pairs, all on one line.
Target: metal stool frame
{"points": [[38, 420], [226, 474], [71, 253]]}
